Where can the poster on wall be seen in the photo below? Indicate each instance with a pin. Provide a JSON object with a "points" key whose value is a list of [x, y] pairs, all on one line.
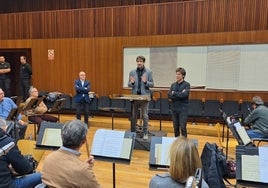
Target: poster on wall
{"points": [[50, 54]]}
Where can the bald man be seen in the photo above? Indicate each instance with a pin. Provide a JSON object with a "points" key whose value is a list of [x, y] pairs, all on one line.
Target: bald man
{"points": [[82, 88]]}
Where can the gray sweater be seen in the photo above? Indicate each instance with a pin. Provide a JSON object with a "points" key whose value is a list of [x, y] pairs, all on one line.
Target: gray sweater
{"points": [[258, 118], [165, 181]]}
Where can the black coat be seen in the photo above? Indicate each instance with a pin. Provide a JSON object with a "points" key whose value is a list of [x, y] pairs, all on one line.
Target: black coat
{"points": [[14, 157]]}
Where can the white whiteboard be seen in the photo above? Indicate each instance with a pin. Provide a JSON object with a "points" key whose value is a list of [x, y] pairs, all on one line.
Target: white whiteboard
{"points": [[235, 67]]}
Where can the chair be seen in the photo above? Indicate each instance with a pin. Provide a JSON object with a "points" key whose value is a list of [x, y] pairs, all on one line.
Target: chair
{"points": [[230, 107], [27, 147], [211, 110], [195, 109], [245, 109], [257, 141]]}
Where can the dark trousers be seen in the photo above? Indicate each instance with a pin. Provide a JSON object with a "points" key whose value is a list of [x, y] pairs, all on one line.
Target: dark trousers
{"points": [[5, 85], [38, 119], [25, 85], [82, 108], [179, 119]]}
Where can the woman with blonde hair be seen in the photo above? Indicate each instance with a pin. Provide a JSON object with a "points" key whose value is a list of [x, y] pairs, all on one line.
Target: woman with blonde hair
{"points": [[184, 160]]}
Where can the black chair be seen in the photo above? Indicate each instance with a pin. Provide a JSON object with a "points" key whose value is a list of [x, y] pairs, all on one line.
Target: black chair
{"points": [[165, 106], [17, 100], [195, 109], [211, 111], [230, 107], [245, 109], [104, 102]]}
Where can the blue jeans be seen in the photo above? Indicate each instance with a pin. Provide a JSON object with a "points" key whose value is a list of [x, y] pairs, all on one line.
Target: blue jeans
{"points": [[253, 134], [27, 181]]}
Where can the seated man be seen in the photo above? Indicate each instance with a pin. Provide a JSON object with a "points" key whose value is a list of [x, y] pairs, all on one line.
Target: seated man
{"points": [[37, 115], [257, 119], [63, 168], [13, 163], [7, 105]]}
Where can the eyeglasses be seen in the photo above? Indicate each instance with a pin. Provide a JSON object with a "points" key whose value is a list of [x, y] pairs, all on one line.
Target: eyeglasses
{"points": [[139, 61]]}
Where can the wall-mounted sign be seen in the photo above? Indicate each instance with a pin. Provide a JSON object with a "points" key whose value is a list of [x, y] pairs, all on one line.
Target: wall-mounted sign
{"points": [[50, 54]]}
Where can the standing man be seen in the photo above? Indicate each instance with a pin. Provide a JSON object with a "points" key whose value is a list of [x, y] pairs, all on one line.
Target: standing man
{"points": [[25, 77], [141, 80], [179, 95], [257, 119], [82, 88], [4, 76]]}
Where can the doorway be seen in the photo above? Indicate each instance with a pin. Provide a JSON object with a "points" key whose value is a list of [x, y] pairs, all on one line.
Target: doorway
{"points": [[12, 55]]}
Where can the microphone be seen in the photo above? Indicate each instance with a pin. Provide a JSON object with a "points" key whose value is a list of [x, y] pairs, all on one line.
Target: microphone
{"points": [[4, 150]]}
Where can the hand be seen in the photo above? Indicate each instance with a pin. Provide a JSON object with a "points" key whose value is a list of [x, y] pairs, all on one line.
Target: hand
{"points": [[144, 78], [132, 79], [90, 161], [21, 122]]}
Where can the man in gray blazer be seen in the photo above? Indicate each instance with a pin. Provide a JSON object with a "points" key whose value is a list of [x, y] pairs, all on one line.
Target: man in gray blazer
{"points": [[141, 80]]}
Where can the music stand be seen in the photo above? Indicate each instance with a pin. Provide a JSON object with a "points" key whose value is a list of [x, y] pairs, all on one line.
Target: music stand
{"points": [[13, 116], [33, 103], [49, 136], [58, 104]]}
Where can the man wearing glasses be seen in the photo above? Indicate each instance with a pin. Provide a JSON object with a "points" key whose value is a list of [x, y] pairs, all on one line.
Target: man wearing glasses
{"points": [[6, 105], [257, 119]]}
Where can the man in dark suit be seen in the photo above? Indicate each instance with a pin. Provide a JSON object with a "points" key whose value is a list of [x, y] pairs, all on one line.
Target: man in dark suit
{"points": [[82, 88]]}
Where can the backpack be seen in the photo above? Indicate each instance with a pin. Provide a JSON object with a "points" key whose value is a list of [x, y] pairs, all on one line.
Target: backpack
{"points": [[214, 166]]}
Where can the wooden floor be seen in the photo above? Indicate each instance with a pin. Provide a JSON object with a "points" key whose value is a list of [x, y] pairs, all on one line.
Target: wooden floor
{"points": [[137, 173]]}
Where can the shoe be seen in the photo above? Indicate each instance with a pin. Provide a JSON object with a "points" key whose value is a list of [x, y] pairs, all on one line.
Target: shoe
{"points": [[145, 137]]}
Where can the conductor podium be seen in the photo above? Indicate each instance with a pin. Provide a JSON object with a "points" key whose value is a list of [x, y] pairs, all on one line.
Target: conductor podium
{"points": [[140, 143]]}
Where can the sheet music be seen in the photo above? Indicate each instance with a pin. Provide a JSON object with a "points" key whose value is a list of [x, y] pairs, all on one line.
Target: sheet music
{"points": [[127, 145], [243, 135], [263, 153], [250, 167], [52, 137], [109, 143], [162, 151]]}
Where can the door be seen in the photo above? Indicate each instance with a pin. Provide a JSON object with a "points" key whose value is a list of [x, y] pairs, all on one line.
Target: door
{"points": [[13, 57]]}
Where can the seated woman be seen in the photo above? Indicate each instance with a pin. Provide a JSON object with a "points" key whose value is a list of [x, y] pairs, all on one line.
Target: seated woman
{"points": [[37, 115], [184, 161]]}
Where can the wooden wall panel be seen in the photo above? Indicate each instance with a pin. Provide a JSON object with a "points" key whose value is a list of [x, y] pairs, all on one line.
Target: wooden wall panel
{"points": [[143, 20], [12, 6], [102, 59]]}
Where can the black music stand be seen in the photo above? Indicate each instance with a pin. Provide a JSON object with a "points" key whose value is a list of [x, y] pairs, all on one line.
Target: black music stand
{"points": [[13, 116], [33, 103], [102, 138], [49, 136], [112, 110], [58, 104]]}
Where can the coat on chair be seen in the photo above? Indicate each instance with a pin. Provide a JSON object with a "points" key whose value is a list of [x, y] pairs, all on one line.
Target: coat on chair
{"points": [[82, 91]]}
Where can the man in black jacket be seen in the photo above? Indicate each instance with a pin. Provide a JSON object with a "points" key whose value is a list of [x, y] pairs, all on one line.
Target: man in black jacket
{"points": [[12, 163], [25, 77], [179, 94]]}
